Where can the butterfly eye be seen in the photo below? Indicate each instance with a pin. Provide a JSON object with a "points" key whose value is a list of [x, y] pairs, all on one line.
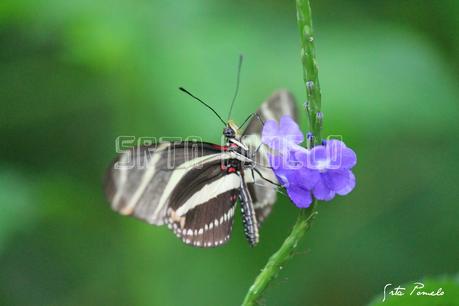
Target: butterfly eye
{"points": [[229, 132]]}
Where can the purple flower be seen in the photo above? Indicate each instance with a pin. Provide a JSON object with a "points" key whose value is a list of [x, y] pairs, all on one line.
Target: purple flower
{"points": [[323, 171], [333, 162], [296, 179], [283, 136]]}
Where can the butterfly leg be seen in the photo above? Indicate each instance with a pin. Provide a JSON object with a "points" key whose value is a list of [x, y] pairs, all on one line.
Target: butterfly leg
{"points": [[256, 150], [268, 180]]}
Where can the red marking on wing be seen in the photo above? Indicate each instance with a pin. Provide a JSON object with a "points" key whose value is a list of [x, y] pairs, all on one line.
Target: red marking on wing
{"points": [[222, 148]]}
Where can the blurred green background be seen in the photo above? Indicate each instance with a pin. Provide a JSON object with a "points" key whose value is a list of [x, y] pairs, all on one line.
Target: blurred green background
{"points": [[76, 74]]}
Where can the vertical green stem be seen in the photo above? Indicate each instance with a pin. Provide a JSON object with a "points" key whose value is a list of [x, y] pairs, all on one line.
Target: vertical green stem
{"points": [[304, 220], [310, 72], [281, 256]]}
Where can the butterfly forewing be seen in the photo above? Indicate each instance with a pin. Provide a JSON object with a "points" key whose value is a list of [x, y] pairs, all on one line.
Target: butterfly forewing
{"points": [[142, 180]]}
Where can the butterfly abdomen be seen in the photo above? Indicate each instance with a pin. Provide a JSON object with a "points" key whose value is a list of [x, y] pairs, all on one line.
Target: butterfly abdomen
{"points": [[249, 219]]}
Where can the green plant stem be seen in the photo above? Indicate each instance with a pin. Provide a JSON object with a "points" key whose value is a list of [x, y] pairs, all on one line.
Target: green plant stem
{"points": [[277, 260], [310, 71], [313, 105]]}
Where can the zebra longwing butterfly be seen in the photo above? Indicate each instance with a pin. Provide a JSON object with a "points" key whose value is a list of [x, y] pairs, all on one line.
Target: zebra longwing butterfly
{"points": [[193, 187], [195, 195]]}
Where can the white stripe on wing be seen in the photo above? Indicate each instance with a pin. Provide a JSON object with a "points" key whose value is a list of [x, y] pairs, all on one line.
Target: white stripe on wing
{"points": [[120, 180], [178, 174], [209, 191], [146, 179]]}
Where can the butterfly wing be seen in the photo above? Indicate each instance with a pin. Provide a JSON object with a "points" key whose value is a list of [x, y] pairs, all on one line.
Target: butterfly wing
{"points": [[263, 192], [180, 184], [280, 103], [201, 210]]}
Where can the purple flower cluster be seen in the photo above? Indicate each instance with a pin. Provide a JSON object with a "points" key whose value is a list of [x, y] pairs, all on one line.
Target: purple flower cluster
{"points": [[323, 171]]}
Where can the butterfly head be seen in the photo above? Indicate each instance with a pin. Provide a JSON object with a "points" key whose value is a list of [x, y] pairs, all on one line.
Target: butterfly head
{"points": [[231, 130]]}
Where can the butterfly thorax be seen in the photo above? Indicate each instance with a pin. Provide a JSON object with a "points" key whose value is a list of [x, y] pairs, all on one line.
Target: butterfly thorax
{"points": [[235, 145]]}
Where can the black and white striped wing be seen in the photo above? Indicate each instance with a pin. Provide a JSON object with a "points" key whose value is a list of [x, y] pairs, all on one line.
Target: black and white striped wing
{"points": [[263, 194], [178, 184], [201, 210]]}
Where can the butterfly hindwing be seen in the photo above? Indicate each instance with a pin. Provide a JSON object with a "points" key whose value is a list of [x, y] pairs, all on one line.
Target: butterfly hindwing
{"points": [[263, 193], [279, 104]]}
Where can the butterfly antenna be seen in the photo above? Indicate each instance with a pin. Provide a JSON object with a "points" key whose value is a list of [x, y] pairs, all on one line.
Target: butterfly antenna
{"points": [[237, 85], [205, 104]]}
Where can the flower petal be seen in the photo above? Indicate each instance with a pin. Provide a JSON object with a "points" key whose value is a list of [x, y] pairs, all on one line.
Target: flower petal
{"points": [[270, 133], [336, 179], [299, 196], [292, 177], [274, 137], [307, 178], [299, 153], [341, 157], [290, 130], [282, 178], [348, 158], [281, 168], [275, 161], [349, 186], [322, 192], [318, 158], [281, 162]]}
